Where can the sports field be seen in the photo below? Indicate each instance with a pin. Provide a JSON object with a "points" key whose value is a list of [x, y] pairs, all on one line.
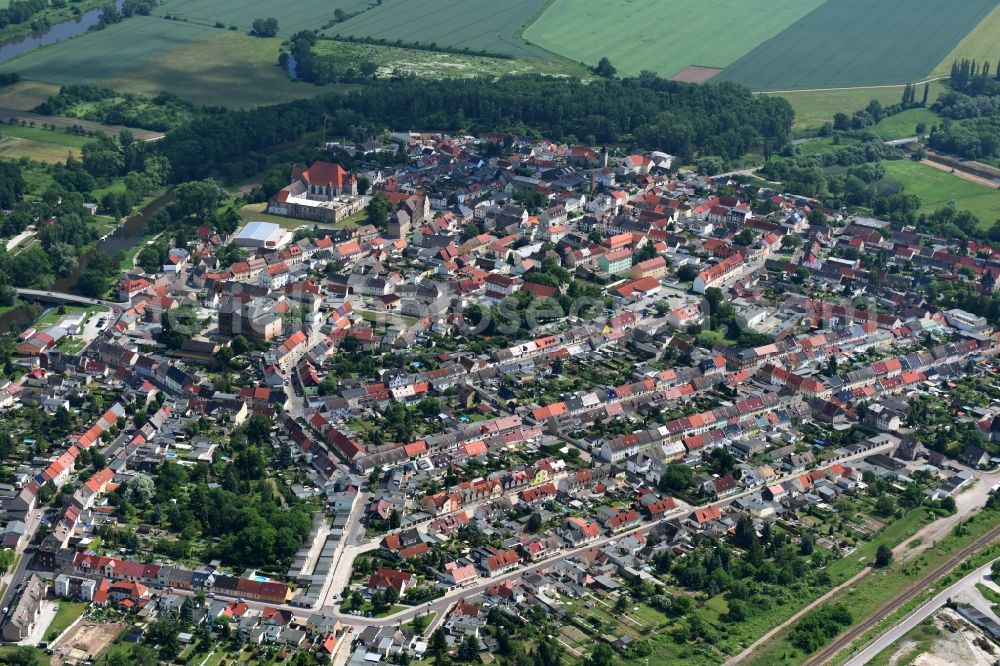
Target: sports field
{"points": [[292, 17], [860, 43], [937, 188], [664, 36], [490, 25]]}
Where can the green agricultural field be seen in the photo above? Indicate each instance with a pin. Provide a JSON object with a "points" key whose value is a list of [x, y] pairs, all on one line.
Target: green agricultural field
{"points": [[105, 53], [417, 62], [982, 44], [938, 188], [664, 36], [815, 107], [304, 14], [26, 95], [147, 54], [490, 25], [860, 43], [39, 144]]}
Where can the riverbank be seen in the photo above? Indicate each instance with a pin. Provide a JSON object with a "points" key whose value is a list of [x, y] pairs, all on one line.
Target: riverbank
{"points": [[50, 26]]}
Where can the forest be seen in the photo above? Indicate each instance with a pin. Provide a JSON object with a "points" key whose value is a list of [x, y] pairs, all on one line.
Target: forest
{"points": [[679, 118], [971, 128]]}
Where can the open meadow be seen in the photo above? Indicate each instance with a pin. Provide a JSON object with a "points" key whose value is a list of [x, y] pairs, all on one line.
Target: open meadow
{"points": [[430, 64], [42, 145], [815, 107], [480, 25], [937, 188], [638, 36], [860, 43], [904, 125]]}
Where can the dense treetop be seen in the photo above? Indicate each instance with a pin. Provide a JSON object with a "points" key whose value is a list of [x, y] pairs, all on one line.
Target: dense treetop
{"points": [[679, 118]]}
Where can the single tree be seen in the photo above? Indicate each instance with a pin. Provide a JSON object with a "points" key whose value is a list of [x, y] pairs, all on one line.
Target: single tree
{"points": [[605, 68]]}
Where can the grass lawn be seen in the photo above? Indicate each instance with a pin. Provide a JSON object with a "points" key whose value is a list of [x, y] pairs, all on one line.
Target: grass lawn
{"points": [[490, 25], [52, 317], [892, 42], [937, 188], [216, 658], [367, 606], [979, 45], [255, 213], [67, 614], [40, 656], [923, 635], [715, 32], [815, 107], [903, 125], [429, 64]]}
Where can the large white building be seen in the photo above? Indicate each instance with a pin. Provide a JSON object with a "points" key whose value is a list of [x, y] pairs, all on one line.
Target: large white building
{"points": [[262, 235]]}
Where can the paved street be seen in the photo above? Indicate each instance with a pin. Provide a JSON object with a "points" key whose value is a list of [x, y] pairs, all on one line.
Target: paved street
{"points": [[918, 616]]}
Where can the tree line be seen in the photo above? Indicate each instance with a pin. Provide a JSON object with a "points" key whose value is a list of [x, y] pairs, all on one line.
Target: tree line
{"points": [[679, 118]]}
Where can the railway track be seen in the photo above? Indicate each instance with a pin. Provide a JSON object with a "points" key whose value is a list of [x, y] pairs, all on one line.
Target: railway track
{"points": [[844, 640]]}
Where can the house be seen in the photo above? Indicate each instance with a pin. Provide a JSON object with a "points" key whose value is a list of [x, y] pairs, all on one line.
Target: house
{"points": [[499, 563], [652, 268], [717, 274], [616, 261], [455, 574], [176, 261], [973, 456], [20, 623], [578, 531], [384, 579], [619, 521], [128, 595]]}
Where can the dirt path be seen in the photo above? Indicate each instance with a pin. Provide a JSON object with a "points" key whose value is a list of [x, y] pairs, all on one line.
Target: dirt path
{"points": [[88, 125], [890, 85], [964, 175]]}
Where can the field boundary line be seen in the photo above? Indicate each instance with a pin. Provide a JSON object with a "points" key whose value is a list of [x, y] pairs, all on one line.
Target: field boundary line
{"points": [[888, 85]]}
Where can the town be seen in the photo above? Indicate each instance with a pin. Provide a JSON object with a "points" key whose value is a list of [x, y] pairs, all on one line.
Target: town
{"points": [[505, 396]]}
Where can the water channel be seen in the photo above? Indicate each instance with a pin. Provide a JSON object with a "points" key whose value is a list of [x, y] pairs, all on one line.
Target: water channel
{"points": [[53, 34]]}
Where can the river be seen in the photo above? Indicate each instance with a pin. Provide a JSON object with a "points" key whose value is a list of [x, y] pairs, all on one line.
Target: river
{"points": [[125, 237], [58, 32]]}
